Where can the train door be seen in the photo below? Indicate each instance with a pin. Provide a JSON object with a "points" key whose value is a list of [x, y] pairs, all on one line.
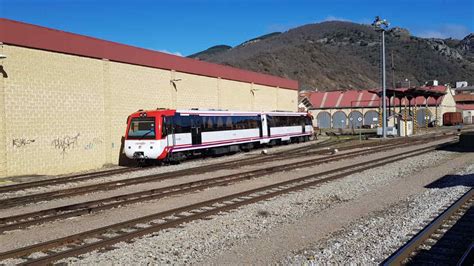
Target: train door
{"points": [[168, 130], [303, 123], [260, 125], [269, 124], [196, 129]]}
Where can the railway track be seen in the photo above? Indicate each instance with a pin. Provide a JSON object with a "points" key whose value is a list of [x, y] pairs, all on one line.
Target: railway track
{"points": [[100, 174], [280, 155], [77, 244], [38, 217], [447, 240], [68, 192]]}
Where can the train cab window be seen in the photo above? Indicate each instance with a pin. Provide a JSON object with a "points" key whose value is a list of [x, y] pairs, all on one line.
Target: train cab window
{"points": [[142, 128]]}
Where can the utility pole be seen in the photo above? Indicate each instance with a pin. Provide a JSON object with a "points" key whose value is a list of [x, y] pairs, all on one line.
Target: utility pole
{"points": [[393, 73], [381, 25]]}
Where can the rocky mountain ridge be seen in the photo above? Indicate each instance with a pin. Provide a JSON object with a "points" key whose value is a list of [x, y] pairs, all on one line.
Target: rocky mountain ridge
{"points": [[344, 55]]}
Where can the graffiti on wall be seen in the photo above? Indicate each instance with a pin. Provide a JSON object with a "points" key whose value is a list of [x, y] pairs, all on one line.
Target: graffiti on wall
{"points": [[92, 144], [66, 143], [22, 142]]}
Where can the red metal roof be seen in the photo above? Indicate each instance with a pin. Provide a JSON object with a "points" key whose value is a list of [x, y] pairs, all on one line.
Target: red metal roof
{"points": [[363, 98], [464, 98], [32, 36], [465, 106]]}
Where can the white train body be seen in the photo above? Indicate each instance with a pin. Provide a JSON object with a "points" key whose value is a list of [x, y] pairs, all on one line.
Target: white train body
{"points": [[163, 134]]}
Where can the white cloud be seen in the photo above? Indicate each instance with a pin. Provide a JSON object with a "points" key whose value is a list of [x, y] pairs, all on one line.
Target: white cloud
{"points": [[334, 18], [280, 27], [446, 31], [173, 53]]}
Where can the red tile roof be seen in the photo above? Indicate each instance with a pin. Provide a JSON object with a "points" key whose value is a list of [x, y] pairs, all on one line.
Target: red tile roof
{"points": [[32, 36], [364, 98]]}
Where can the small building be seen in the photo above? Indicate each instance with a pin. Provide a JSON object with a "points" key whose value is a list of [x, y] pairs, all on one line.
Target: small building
{"points": [[465, 101], [362, 108]]}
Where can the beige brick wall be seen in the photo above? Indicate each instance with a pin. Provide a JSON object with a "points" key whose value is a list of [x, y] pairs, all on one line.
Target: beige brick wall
{"points": [[63, 113], [264, 97], [3, 155], [287, 100], [235, 95], [132, 88], [54, 109]]}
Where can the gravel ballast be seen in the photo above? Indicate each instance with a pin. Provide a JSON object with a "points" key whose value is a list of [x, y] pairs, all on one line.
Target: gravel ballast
{"points": [[204, 241]]}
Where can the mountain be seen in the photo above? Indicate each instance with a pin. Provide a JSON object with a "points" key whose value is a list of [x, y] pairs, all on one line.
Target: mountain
{"points": [[211, 51], [343, 55]]}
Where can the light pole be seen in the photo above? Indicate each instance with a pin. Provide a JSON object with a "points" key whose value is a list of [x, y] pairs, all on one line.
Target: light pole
{"points": [[381, 25]]}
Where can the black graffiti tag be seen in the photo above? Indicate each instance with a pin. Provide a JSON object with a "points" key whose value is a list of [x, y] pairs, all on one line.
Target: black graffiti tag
{"points": [[21, 142], [66, 143]]}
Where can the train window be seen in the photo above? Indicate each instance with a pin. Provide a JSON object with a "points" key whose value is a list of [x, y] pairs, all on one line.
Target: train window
{"points": [[182, 124], [220, 123], [270, 121], [308, 121], [237, 121], [228, 123], [142, 128], [253, 122], [285, 121]]}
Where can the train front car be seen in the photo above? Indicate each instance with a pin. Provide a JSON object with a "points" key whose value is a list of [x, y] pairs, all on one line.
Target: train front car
{"points": [[143, 139]]}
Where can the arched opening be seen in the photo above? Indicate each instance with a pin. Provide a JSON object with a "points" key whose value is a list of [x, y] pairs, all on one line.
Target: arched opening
{"points": [[371, 118], [423, 116], [355, 119], [324, 120], [339, 120]]}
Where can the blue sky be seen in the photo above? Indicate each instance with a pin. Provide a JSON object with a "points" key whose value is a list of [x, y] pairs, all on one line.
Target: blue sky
{"points": [[187, 26]]}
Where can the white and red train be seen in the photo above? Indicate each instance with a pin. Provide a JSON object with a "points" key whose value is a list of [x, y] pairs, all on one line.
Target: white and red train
{"points": [[172, 135]]}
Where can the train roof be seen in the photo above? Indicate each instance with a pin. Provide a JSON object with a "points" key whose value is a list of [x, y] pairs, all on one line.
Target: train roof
{"points": [[219, 112]]}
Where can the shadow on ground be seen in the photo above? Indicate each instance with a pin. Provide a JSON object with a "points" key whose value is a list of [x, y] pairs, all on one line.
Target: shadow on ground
{"points": [[457, 147], [453, 181]]}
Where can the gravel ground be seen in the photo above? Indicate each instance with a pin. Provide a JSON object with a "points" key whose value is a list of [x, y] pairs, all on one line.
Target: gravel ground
{"points": [[146, 171], [202, 241], [372, 239], [61, 228]]}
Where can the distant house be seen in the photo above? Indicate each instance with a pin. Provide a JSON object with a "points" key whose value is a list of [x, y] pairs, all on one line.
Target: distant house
{"points": [[465, 102], [354, 108]]}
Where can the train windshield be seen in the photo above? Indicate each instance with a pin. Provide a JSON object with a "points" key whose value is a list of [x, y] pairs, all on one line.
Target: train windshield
{"points": [[142, 128]]}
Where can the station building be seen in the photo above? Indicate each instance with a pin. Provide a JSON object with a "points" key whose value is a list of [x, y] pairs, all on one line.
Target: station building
{"points": [[65, 98], [362, 108]]}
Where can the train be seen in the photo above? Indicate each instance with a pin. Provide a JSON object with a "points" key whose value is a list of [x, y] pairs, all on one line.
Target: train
{"points": [[168, 135]]}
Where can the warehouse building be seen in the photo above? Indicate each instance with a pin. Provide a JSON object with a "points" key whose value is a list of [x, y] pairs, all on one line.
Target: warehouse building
{"points": [[361, 108], [65, 98]]}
